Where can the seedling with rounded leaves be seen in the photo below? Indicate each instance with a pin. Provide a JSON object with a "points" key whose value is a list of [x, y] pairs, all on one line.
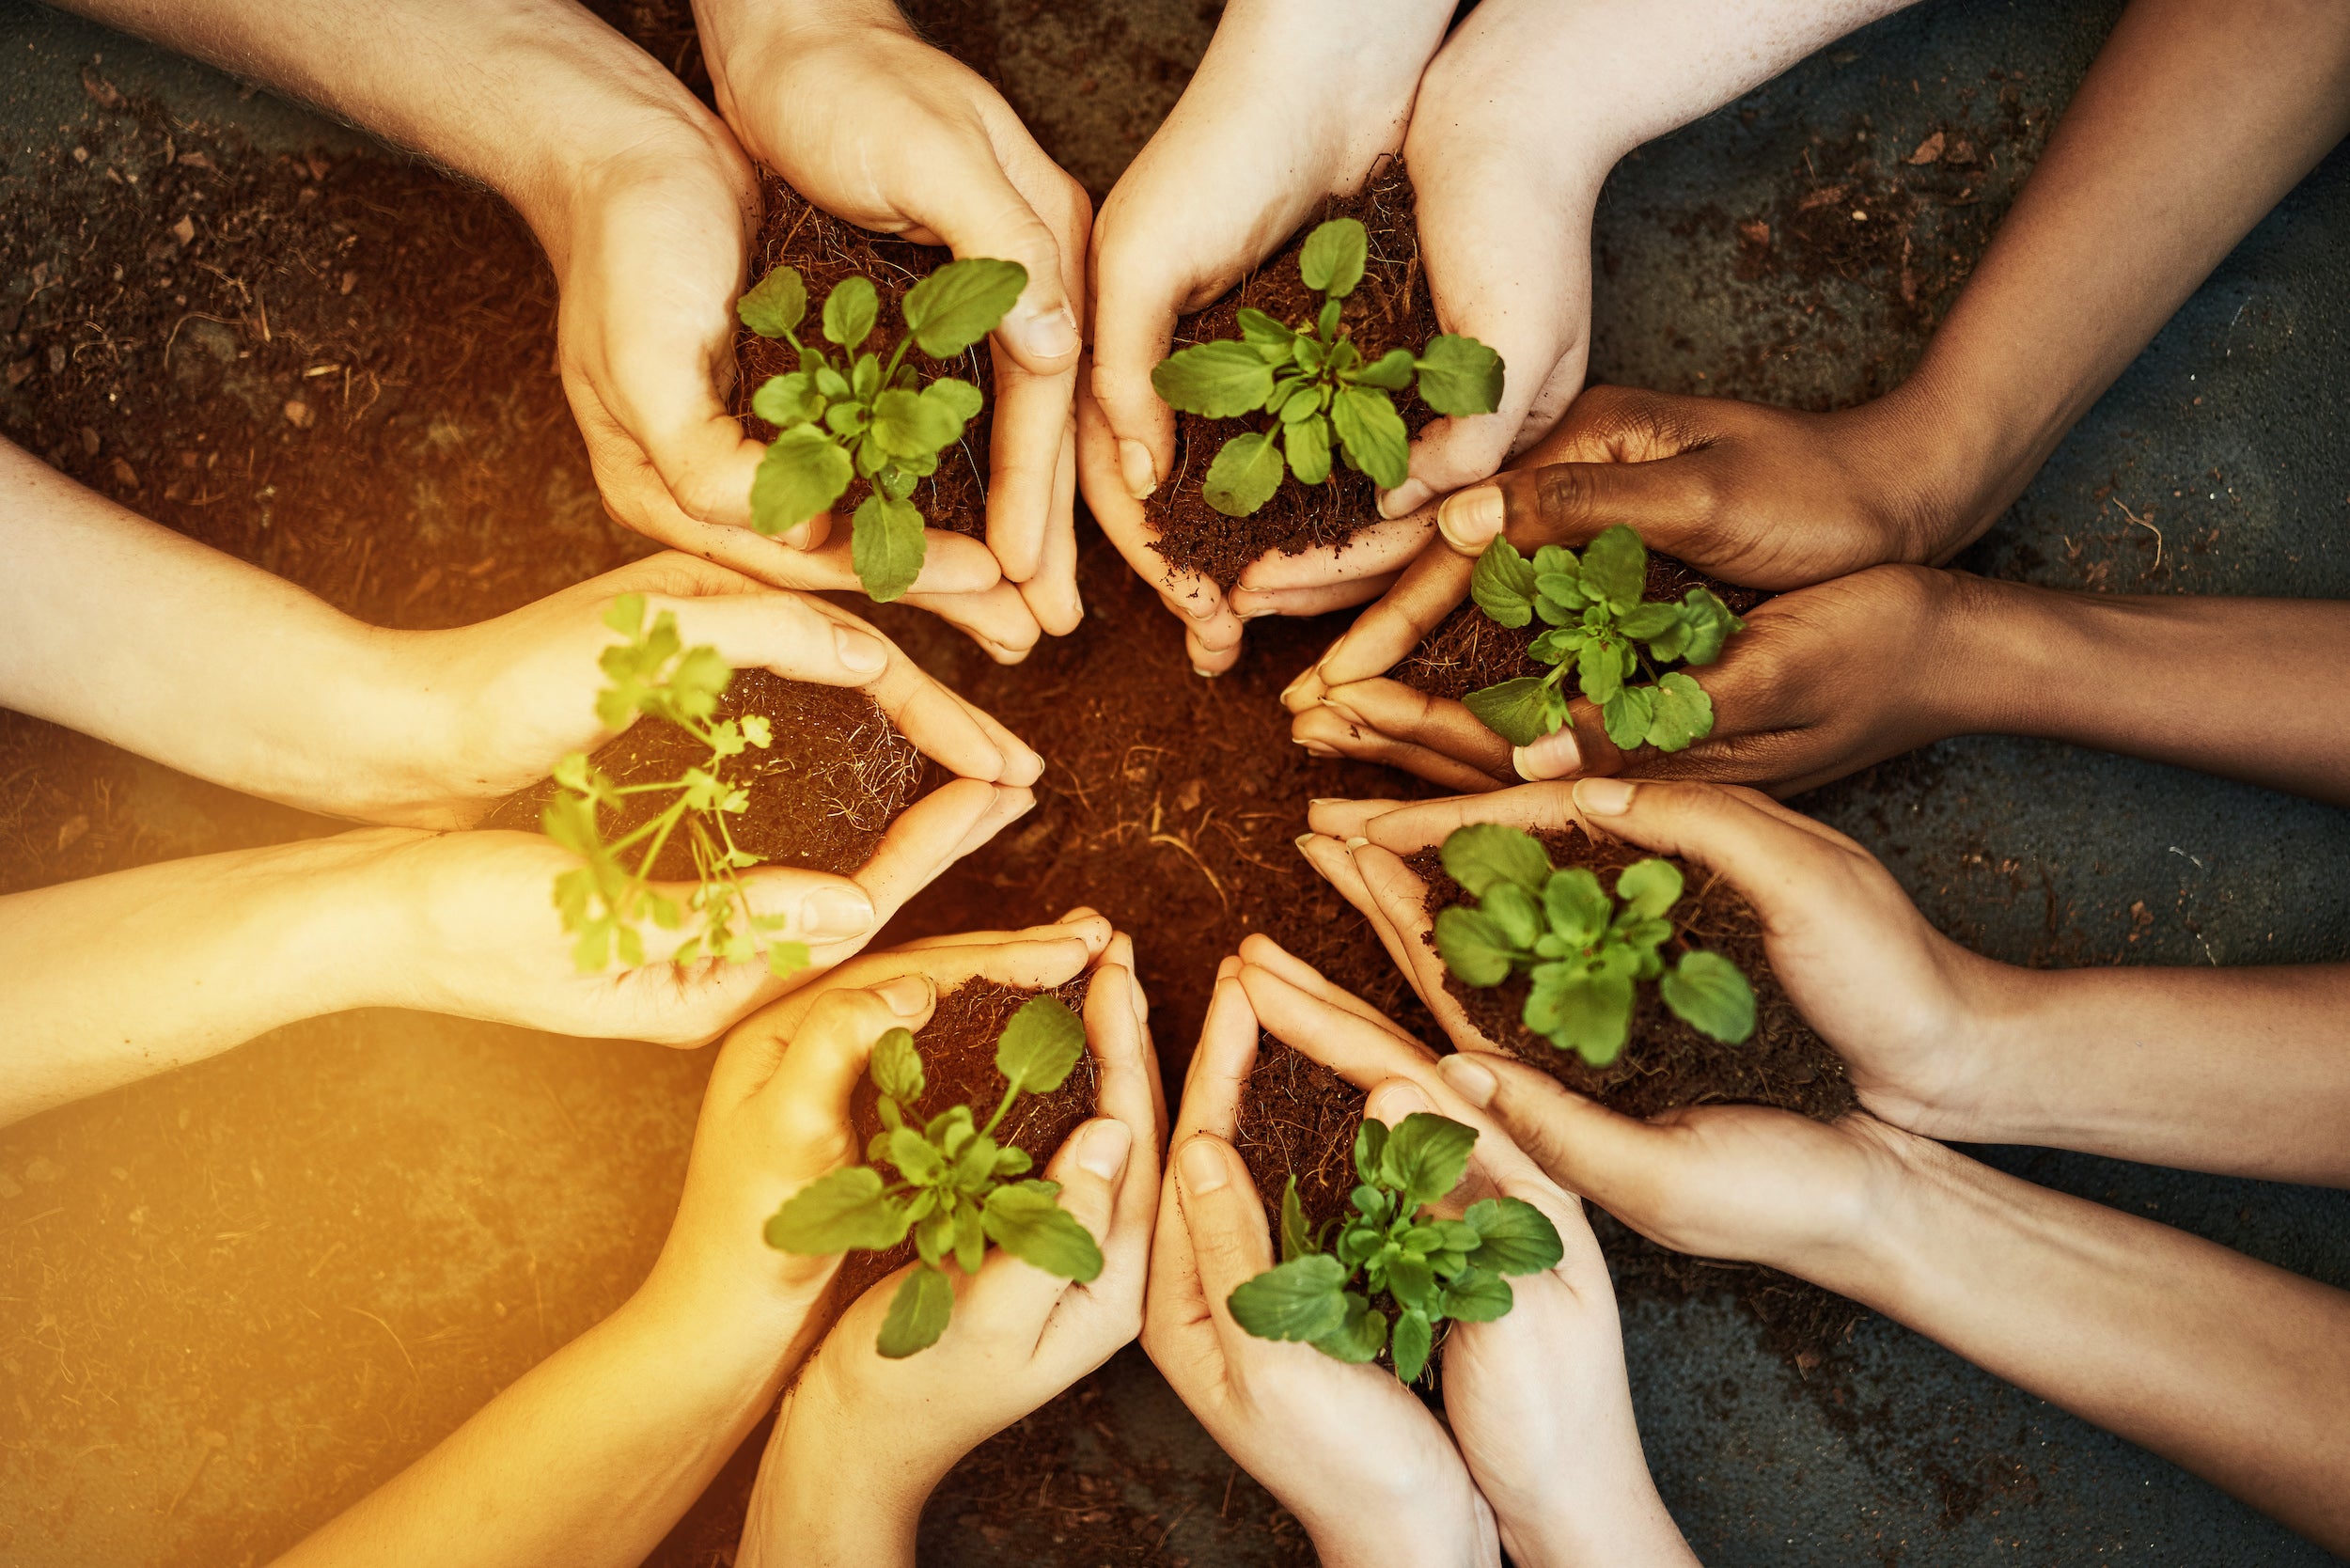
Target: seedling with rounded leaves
{"points": [[1584, 951], [1427, 1270], [852, 415], [1597, 618], [957, 1189], [1317, 391], [604, 899]]}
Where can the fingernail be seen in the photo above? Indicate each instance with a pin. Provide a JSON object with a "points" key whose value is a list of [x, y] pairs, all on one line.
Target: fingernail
{"points": [[1103, 1149], [1326, 800], [1305, 841], [907, 995], [835, 913], [1230, 964], [1355, 843], [1136, 468], [1199, 606], [1470, 1079], [1203, 1167], [1469, 519], [1317, 749], [1047, 336], [859, 650], [1392, 1102], [1603, 797], [1404, 500], [1289, 692], [1205, 674], [1554, 756], [1256, 615]]}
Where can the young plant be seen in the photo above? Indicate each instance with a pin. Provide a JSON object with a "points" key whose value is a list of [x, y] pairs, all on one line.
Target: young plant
{"points": [[1314, 385], [1596, 617], [1584, 951], [852, 414], [1429, 1269], [955, 1187], [604, 899]]}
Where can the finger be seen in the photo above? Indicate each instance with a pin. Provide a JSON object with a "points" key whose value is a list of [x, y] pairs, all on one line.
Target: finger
{"points": [[1013, 1297], [997, 618], [1051, 594], [1083, 924], [1209, 658], [1034, 960], [975, 206], [1036, 391], [1220, 1065], [1135, 301], [805, 1102], [948, 729], [1421, 823], [1400, 937], [1612, 1160], [930, 836], [1196, 601], [1250, 604], [1399, 902], [1383, 635], [1024, 458], [1224, 1220], [1768, 853], [1260, 951], [1122, 1051], [1325, 732], [951, 563], [1437, 724], [1345, 818], [1378, 550]]}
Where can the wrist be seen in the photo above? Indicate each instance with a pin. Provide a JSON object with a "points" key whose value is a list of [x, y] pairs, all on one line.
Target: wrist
{"points": [[800, 1512], [1879, 1242]]}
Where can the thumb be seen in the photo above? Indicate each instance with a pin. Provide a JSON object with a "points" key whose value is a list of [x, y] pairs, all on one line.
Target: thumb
{"points": [[1543, 355], [1765, 851], [1135, 301], [1230, 1244], [979, 211], [1612, 1160], [806, 1099], [1668, 501], [816, 908]]}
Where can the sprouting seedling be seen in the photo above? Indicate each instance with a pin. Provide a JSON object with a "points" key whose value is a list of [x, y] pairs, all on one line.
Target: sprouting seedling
{"points": [[1429, 1270], [604, 899], [1317, 387], [1596, 617], [1583, 950], [956, 1188], [853, 415]]}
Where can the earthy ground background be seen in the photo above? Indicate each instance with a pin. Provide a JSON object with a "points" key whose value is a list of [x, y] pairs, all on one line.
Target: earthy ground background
{"points": [[234, 1299]]}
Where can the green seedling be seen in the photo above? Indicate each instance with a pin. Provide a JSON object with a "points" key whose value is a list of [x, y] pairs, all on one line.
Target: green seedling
{"points": [[604, 899], [956, 1188], [1584, 951], [1597, 620], [852, 414], [1316, 386], [1429, 1270]]}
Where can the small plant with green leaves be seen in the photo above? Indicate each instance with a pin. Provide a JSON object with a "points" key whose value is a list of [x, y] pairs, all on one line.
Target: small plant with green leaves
{"points": [[1583, 950], [1314, 386], [604, 899], [1596, 620], [1428, 1270], [852, 414], [956, 1188]]}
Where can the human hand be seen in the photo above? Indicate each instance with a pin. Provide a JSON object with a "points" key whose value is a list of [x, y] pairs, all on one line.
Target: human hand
{"points": [[1910, 1011], [1537, 1399], [1346, 1447], [1823, 682], [1293, 102], [880, 129], [1018, 1336]]}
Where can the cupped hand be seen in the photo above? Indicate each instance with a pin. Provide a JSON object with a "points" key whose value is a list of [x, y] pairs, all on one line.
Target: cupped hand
{"points": [[1292, 102], [1823, 682], [512, 696], [1907, 1009], [1017, 1335], [1346, 1447], [880, 129]]}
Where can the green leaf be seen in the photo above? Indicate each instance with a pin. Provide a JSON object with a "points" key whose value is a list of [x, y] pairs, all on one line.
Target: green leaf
{"points": [[1414, 1338], [1709, 623], [1370, 1145], [1682, 713], [887, 546], [1627, 715], [897, 1067], [1517, 912], [1614, 568], [1648, 888], [775, 304], [1427, 1155], [1360, 1336], [1649, 619], [1520, 712], [961, 302], [1503, 585], [1577, 908], [1473, 946], [915, 1156], [1459, 376], [1243, 476], [1372, 434], [1220, 380], [1040, 1044], [1326, 326], [1334, 256], [960, 398], [917, 1313], [1516, 1237], [786, 959], [1391, 370], [1297, 1237], [1478, 1296], [1307, 444], [1301, 1299], [1410, 1281], [801, 476], [787, 401], [970, 1239], [850, 311], [908, 424], [1272, 339], [1709, 995], [1599, 669], [840, 1212], [1023, 1218], [1486, 855], [1589, 1014]]}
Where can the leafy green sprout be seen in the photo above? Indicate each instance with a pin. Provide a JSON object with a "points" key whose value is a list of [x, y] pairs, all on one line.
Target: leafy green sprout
{"points": [[852, 415], [1317, 388], [957, 1188], [1583, 950], [1431, 1270], [604, 899], [1596, 620]]}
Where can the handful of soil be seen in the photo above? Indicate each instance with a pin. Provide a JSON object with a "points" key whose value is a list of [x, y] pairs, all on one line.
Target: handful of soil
{"points": [[1391, 308], [1297, 1118], [822, 794], [957, 1048]]}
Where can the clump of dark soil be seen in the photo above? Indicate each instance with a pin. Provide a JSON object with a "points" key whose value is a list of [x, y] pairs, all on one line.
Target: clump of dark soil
{"points": [[1298, 1118], [957, 1048], [821, 795], [1468, 651], [1391, 308], [826, 250]]}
